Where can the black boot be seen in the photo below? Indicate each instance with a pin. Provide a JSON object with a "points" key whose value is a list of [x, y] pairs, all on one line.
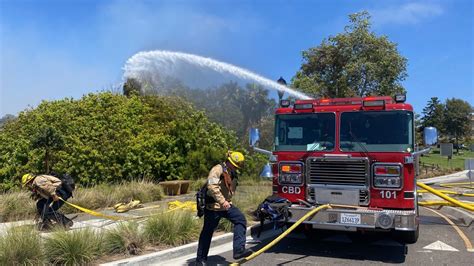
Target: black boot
{"points": [[44, 225], [242, 254]]}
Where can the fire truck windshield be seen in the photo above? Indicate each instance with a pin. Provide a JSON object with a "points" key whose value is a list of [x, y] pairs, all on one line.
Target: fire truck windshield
{"points": [[377, 131], [305, 132]]}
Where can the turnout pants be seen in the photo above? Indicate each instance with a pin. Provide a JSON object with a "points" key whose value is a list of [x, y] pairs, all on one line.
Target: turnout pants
{"points": [[211, 220], [42, 206]]}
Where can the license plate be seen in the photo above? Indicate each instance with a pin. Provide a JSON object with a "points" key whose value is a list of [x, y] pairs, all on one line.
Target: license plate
{"points": [[347, 218]]}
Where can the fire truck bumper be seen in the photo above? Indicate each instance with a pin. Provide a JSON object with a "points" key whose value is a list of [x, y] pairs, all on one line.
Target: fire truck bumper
{"points": [[360, 218]]}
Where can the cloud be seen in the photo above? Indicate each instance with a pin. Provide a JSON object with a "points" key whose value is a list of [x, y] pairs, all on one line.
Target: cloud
{"points": [[411, 13]]}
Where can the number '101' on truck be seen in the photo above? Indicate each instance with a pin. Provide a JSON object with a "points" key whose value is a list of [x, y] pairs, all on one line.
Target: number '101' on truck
{"points": [[357, 152]]}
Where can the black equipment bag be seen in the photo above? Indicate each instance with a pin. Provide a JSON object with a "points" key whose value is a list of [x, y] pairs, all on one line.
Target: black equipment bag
{"points": [[275, 209], [202, 198], [68, 183]]}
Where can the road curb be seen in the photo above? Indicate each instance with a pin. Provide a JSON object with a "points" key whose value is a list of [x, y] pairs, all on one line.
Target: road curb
{"points": [[173, 253], [461, 215]]}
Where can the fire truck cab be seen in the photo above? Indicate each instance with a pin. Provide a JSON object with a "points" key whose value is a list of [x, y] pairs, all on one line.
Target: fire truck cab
{"points": [[357, 154]]}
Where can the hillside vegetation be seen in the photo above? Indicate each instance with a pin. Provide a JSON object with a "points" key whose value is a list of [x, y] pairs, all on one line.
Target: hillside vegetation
{"points": [[112, 138]]}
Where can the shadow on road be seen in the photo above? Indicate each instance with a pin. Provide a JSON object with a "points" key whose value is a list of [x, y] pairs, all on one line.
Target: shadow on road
{"points": [[211, 260], [351, 246]]}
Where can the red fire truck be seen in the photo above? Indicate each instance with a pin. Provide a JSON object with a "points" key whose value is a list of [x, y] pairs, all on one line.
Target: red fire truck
{"points": [[356, 153]]}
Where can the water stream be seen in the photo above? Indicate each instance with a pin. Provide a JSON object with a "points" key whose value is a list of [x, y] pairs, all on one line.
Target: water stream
{"points": [[166, 63]]}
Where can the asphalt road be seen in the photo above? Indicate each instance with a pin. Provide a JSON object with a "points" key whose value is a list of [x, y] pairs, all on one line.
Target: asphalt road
{"points": [[439, 244]]}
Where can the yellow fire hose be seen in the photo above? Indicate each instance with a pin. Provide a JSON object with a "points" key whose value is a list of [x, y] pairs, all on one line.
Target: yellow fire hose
{"points": [[284, 234], [445, 197], [449, 192], [172, 206], [462, 185], [94, 213], [442, 203]]}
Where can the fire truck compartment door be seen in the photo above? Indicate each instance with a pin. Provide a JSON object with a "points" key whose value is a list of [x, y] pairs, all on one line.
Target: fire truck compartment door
{"points": [[337, 196]]}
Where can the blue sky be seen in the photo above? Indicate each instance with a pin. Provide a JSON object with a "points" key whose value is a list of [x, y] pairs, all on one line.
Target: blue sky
{"points": [[56, 49]]}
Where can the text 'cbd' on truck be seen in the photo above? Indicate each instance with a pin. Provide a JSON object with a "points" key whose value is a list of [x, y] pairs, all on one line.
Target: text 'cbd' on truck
{"points": [[357, 154]]}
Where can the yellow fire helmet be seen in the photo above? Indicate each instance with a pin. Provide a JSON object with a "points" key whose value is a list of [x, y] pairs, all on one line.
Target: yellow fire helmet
{"points": [[236, 158], [25, 179]]}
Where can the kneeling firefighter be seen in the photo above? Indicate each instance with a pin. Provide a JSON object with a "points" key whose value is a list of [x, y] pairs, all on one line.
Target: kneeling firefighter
{"points": [[47, 189], [221, 185]]}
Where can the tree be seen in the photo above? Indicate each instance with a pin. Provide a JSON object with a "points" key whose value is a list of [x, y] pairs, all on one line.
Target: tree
{"points": [[132, 87], [353, 63], [433, 115], [6, 118], [49, 141], [254, 104], [456, 118]]}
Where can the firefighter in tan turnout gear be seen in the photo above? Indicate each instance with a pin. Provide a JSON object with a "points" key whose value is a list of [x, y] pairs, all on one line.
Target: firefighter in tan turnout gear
{"points": [[47, 189], [221, 185]]}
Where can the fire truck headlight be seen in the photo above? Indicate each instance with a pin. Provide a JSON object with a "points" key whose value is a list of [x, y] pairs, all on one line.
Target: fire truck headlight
{"points": [[387, 176], [291, 173]]}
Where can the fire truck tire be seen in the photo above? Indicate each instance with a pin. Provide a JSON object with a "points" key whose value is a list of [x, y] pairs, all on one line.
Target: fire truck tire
{"points": [[408, 237]]}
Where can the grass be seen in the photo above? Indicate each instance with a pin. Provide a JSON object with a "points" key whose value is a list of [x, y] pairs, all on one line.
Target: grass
{"points": [[21, 246], [248, 197], [74, 247], [172, 228], [104, 195], [126, 238], [18, 205], [455, 164]]}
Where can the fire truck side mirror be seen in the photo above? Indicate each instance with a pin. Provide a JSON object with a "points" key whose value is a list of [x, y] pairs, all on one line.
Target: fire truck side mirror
{"points": [[254, 136], [430, 136]]}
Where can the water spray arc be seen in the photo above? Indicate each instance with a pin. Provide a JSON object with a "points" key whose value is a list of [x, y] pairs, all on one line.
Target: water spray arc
{"points": [[142, 62]]}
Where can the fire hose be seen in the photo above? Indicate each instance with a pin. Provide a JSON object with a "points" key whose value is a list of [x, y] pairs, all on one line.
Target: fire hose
{"points": [[172, 206], [284, 234], [451, 200]]}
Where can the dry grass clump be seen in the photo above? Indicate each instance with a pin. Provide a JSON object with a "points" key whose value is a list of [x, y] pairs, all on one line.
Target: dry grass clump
{"points": [[247, 198], [21, 246], [104, 195], [172, 228], [225, 225], [73, 247], [16, 206], [125, 238]]}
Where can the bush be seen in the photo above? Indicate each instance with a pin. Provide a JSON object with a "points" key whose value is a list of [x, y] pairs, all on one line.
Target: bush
{"points": [[172, 228], [21, 246], [125, 238], [111, 138], [73, 247]]}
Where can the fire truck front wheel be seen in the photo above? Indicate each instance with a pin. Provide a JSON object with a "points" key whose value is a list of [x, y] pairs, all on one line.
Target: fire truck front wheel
{"points": [[408, 237]]}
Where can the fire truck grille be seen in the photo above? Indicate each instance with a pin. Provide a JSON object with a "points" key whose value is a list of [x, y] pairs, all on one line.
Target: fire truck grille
{"points": [[340, 172]]}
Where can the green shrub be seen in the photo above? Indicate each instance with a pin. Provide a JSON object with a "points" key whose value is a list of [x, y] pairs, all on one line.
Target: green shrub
{"points": [[125, 238], [73, 247], [21, 246], [110, 138], [172, 228]]}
